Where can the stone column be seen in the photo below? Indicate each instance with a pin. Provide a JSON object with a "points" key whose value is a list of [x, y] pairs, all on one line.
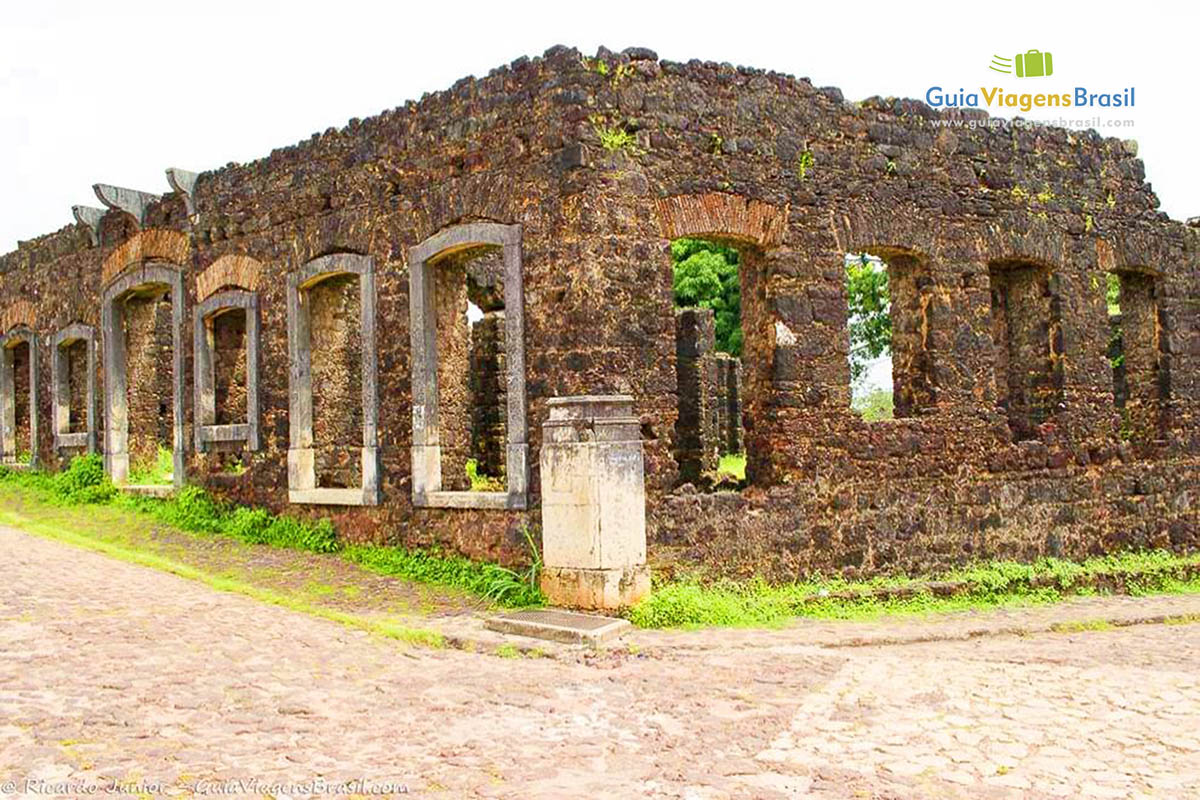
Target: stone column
{"points": [[695, 370], [593, 504]]}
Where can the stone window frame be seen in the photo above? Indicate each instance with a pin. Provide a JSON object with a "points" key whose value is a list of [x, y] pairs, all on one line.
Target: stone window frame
{"points": [[8, 409], [426, 446], [116, 400], [206, 428], [302, 478], [60, 390]]}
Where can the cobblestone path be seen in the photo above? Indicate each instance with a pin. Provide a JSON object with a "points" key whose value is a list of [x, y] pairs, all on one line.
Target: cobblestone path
{"points": [[111, 672]]}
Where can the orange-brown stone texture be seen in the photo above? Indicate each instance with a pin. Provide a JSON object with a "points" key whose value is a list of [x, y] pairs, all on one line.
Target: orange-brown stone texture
{"points": [[1009, 442]]}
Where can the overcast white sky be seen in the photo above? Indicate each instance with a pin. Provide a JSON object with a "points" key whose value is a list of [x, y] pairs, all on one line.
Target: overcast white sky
{"points": [[116, 92]]}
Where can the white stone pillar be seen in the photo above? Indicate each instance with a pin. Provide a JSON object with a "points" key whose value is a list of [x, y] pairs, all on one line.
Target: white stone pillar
{"points": [[593, 504]]}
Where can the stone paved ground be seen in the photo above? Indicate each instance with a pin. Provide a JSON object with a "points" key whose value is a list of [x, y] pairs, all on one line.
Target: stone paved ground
{"points": [[112, 671]]}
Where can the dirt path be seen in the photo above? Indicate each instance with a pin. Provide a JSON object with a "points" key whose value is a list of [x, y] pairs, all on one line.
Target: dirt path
{"points": [[110, 671]]}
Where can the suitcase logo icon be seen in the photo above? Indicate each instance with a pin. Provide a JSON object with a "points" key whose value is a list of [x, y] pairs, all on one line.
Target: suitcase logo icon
{"points": [[1030, 64]]}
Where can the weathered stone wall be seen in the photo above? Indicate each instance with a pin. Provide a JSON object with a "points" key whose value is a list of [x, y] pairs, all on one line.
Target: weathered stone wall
{"points": [[1145, 382], [21, 411], [229, 366], [147, 321], [337, 381], [488, 404], [728, 401], [454, 375], [696, 445], [795, 178], [911, 292], [76, 355]]}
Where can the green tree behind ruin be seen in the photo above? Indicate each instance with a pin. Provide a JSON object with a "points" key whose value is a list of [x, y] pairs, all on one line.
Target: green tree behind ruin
{"points": [[869, 304], [706, 275]]}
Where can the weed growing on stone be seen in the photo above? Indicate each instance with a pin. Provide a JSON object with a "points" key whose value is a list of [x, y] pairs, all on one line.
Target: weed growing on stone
{"points": [[613, 137], [733, 464], [481, 482], [804, 164]]}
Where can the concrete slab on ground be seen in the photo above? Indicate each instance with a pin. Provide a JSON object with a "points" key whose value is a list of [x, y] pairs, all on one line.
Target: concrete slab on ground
{"points": [[557, 625]]}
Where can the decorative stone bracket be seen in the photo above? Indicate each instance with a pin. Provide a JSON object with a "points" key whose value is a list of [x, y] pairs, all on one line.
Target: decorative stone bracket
{"points": [[91, 217], [184, 182], [131, 201]]}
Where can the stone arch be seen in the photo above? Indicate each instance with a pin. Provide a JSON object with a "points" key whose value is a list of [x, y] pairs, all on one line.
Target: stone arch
{"points": [[149, 277], [426, 441], [237, 271], [302, 461], [19, 334], [153, 244]]}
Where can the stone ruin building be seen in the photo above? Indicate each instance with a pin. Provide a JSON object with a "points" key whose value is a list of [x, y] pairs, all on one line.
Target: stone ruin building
{"points": [[339, 328]]}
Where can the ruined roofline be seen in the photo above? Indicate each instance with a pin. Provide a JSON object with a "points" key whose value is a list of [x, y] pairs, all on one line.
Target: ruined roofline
{"points": [[569, 58]]}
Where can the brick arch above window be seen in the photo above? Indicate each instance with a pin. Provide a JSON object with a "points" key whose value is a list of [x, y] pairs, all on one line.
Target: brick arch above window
{"points": [[153, 244], [725, 216], [18, 314], [234, 270]]}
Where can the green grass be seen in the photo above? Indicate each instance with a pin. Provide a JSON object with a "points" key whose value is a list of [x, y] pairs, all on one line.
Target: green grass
{"points": [[192, 510], [733, 464], [490, 581], [159, 471], [691, 603]]}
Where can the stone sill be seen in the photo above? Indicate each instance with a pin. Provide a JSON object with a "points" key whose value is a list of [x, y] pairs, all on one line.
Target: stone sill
{"points": [[71, 440], [225, 433], [147, 489], [329, 497], [492, 501]]}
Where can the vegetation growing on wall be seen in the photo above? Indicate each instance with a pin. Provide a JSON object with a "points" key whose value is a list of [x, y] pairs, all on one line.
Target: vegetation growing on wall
{"points": [[706, 276]]}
